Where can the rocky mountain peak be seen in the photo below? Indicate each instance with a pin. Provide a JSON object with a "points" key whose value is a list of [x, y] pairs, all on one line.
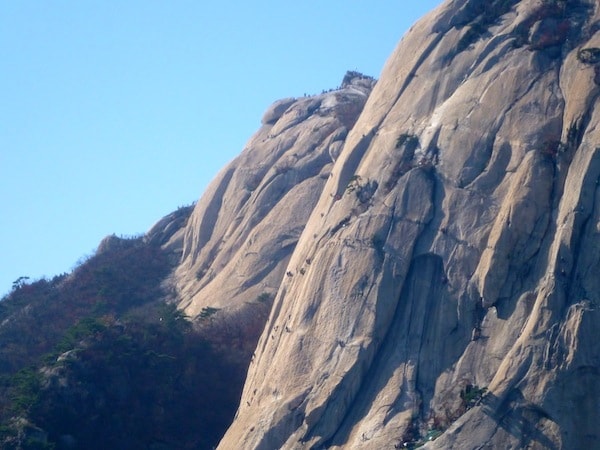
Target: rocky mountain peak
{"points": [[356, 79], [442, 289], [407, 263], [243, 230]]}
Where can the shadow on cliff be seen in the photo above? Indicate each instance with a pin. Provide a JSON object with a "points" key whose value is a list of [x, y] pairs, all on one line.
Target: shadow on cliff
{"points": [[424, 340], [518, 418]]}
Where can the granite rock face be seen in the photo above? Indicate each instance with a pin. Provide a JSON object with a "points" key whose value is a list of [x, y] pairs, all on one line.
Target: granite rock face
{"points": [[434, 265], [239, 238]]}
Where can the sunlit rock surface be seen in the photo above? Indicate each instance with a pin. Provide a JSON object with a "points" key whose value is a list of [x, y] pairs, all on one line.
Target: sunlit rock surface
{"points": [[444, 287]]}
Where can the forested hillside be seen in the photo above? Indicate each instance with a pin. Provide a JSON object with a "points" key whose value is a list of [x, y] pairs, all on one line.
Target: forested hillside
{"points": [[98, 359]]}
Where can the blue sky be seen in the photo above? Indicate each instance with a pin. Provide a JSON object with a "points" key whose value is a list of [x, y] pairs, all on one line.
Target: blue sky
{"points": [[113, 114]]}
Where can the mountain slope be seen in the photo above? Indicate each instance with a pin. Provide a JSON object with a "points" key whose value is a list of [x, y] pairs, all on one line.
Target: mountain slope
{"points": [[244, 228], [97, 359], [426, 250], [445, 281]]}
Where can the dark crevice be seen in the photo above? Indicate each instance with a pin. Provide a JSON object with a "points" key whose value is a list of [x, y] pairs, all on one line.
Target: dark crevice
{"points": [[481, 16], [391, 336], [348, 170], [211, 214]]}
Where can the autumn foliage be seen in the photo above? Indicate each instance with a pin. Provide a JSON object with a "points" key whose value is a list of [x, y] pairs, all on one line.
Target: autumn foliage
{"points": [[97, 359]]}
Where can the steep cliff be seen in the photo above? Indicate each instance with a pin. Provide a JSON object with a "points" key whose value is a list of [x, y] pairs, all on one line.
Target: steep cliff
{"points": [[102, 358], [445, 285], [428, 248], [244, 228]]}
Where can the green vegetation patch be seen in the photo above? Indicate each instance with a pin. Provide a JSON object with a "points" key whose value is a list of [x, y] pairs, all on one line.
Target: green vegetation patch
{"points": [[471, 395], [484, 15], [590, 55], [207, 312], [265, 297], [410, 141]]}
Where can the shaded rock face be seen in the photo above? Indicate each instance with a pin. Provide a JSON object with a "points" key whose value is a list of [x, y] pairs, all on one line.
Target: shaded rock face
{"points": [[452, 246]]}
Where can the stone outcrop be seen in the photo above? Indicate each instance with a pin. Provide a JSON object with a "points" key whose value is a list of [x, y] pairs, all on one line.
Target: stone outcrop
{"points": [[239, 238], [434, 272]]}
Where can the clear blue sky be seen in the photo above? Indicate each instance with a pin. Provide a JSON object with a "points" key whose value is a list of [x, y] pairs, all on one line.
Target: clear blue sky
{"points": [[113, 114]]}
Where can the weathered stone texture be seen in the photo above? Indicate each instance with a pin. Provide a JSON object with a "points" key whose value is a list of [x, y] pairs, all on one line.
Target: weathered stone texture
{"points": [[454, 246], [243, 230]]}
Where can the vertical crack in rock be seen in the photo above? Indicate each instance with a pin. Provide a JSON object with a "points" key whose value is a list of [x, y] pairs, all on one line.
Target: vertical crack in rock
{"points": [[444, 290]]}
